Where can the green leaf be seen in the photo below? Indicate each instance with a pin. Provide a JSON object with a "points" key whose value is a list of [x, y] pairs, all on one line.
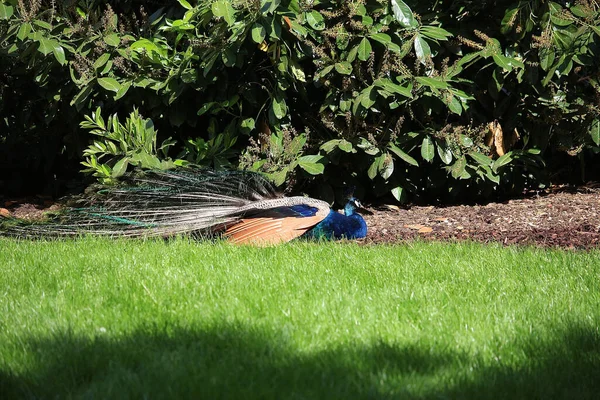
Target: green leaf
{"points": [[507, 63], [595, 131], [330, 145], [454, 105], [346, 146], [490, 175], [269, 6], [368, 147], [564, 68], [185, 4], [367, 97], [223, 9], [279, 107], [342, 144], [403, 14], [435, 32], [546, 58], [109, 84], [322, 73], [106, 68], [46, 46], [361, 10], [579, 11], [81, 97], [386, 168], [299, 29], [276, 142], [342, 40], [43, 24], [466, 140], [24, 30], [563, 39], [279, 177], [122, 90], [315, 20], [422, 49], [6, 11], [481, 159], [374, 168], [112, 40], [344, 68], [59, 54], [83, 15], [229, 57], [436, 83], [382, 38], [558, 20], [295, 147], [400, 153], [390, 86], [352, 54], [206, 107], [508, 20], [248, 125], [554, 7], [311, 164], [146, 161], [458, 168], [469, 58], [120, 167], [502, 161], [148, 46], [399, 194], [258, 33], [444, 151], [427, 149], [502, 62], [364, 49], [297, 71], [103, 59]]}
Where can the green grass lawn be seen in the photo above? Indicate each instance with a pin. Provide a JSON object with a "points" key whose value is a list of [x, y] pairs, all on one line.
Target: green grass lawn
{"points": [[179, 319]]}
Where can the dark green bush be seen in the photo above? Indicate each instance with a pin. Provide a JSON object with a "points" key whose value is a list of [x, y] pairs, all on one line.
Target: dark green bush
{"points": [[437, 100]]}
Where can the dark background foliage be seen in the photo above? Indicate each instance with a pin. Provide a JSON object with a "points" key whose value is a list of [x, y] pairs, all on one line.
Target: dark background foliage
{"points": [[429, 101]]}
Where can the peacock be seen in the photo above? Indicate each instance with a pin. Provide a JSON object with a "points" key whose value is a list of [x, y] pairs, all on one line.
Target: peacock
{"points": [[241, 206]]}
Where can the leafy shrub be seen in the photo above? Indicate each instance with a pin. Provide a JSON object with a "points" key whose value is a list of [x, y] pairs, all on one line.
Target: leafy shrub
{"points": [[394, 97], [132, 143]]}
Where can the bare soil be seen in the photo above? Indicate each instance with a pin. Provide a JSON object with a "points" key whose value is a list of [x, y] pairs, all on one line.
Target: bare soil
{"points": [[561, 217]]}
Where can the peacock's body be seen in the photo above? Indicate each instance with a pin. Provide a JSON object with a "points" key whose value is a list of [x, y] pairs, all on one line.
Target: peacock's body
{"points": [[349, 225], [241, 206]]}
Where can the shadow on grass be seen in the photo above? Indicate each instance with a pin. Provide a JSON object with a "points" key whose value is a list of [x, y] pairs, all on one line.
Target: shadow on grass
{"points": [[238, 362]]}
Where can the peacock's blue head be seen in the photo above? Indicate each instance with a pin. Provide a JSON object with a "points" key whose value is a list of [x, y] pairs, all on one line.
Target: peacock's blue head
{"points": [[351, 206]]}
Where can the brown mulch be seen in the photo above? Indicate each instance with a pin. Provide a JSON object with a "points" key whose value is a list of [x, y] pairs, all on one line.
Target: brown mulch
{"points": [[28, 208], [559, 218]]}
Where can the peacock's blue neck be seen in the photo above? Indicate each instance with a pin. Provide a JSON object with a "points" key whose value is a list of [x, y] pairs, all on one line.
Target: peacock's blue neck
{"points": [[350, 209], [349, 225]]}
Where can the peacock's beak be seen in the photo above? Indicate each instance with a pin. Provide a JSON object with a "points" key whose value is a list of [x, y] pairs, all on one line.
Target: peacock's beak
{"points": [[361, 208]]}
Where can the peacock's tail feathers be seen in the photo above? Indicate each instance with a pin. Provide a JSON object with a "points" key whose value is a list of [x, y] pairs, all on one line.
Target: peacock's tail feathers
{"points": [[168, 203]]}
